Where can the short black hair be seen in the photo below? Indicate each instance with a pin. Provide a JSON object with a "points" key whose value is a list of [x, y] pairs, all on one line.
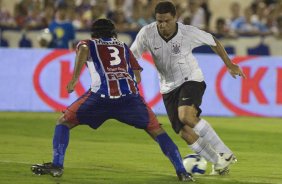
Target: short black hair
{"points": [[103, 28], [165, 7]]}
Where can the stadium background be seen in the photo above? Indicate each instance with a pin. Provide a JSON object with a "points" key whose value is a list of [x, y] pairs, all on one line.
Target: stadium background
{"points": [[31, 80], [218, 11]]}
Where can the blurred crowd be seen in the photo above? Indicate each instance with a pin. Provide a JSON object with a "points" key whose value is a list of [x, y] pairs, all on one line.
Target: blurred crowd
{"points": [[261, 17]]}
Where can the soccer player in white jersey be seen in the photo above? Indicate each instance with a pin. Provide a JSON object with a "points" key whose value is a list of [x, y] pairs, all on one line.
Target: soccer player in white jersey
{"points": [[182, 81]]}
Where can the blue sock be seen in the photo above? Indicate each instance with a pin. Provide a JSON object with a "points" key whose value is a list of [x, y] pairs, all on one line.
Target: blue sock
{"points": [[171, 151], [60, 144]]}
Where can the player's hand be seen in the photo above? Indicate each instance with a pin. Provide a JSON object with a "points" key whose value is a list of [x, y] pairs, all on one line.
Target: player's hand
{"points": [[235, 70], [71, 85]]}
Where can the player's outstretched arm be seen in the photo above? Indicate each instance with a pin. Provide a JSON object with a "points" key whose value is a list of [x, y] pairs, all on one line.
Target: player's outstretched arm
{"points": [[232, 68], [81, 58]]}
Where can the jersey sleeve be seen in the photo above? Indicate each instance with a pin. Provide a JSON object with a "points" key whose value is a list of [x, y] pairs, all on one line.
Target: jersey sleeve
{"points": [[82, 42], [140, 43], [132, 60], [200, 37]]}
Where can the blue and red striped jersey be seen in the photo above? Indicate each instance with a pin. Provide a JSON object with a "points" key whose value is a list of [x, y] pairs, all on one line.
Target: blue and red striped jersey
{"points": [[111, 65]]}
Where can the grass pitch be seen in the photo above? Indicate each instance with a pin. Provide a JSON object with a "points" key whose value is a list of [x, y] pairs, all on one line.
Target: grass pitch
{"points": [[119, 154]]}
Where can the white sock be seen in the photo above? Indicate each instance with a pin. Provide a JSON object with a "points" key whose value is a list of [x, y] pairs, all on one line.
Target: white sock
{"points": [[204, 130], [204, 149]]}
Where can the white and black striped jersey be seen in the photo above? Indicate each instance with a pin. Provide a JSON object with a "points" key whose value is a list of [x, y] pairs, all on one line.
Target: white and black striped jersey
{"points": [[173, 58]]}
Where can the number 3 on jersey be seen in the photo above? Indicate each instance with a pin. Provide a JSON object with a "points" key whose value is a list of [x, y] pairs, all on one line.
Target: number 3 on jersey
{"points": [[114, 54]]}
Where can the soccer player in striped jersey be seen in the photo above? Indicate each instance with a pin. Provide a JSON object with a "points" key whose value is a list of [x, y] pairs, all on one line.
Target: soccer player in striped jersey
{"points": [[113, 95], [182, 82]]}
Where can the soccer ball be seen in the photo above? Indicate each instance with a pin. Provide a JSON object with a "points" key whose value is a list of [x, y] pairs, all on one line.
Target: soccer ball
{"points": [[195, 164]]}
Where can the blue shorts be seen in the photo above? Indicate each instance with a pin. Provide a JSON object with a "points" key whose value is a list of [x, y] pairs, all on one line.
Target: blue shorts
{"points": [[93, 110]]}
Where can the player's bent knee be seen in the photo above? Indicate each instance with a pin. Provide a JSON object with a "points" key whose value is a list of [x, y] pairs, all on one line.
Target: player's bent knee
{"points": [[63, 121], [188, 119], [188, 115], [155, 132]]}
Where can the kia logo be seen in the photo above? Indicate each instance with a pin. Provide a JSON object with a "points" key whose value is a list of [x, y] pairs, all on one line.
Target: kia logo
{"points": [[260, 94]]}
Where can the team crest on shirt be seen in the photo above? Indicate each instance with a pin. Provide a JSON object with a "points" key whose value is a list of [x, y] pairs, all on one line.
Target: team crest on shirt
{"points": [[176, 48]]}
